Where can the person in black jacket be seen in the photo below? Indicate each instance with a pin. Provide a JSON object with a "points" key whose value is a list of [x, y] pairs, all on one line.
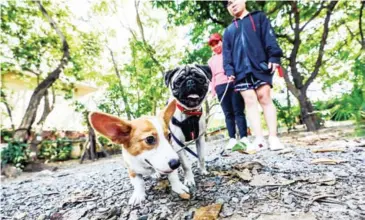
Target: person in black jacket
{"points": [[250, 57]]}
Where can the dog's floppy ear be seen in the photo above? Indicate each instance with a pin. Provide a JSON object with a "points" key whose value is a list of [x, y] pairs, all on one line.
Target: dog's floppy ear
{"points": [[168, 111], [206, 70], [169, 74], [111, 127]]}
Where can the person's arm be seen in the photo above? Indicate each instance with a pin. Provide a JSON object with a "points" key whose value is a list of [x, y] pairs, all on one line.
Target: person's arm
{"points": [[227, 53], [272, 48]]}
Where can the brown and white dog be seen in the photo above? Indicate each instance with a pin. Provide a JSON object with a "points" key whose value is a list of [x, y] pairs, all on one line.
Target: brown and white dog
{"points": [[146, 148]]}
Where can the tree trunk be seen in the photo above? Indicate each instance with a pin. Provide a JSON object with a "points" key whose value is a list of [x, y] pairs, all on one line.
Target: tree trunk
{"points": [[289, 123], [92, 141], [124, 97], [8, 108], [47, 107], [31, 112], [309, 117]]}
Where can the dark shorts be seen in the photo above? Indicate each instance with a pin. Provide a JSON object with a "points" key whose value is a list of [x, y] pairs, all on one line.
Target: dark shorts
{"points": [[249, 82]]}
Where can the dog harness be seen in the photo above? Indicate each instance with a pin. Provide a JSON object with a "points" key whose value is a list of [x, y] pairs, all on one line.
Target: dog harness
{"points": [[189, 127]]}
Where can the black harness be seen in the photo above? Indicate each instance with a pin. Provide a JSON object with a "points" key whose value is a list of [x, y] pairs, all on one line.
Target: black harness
{"points": [[189, 126], [190, 129]]}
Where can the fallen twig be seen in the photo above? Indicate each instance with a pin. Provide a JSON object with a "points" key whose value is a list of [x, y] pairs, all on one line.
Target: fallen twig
{"points": [[306, 208], [333, 201], [117, 194]]}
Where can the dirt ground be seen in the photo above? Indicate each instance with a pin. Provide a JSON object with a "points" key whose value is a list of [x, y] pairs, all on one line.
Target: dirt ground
{"points": [[321, 175]]}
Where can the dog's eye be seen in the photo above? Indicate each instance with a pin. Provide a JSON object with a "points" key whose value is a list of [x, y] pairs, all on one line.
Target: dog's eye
{"points": [[179, 82], [169, 136], [200, 80], [150, 140]]}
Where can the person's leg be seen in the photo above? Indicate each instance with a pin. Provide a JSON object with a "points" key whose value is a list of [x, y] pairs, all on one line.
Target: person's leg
{"points": [[226, 105], [239, 115], [263, 94], [253, 115], [247, 89], [227, 108]]}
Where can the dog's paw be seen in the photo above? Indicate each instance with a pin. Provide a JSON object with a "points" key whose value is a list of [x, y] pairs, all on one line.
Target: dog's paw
{"points": [[179, 188], [204, 172], [189, 181], [137, 198]]}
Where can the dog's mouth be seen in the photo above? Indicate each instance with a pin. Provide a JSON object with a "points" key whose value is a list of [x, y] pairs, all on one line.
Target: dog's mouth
{"points": [[193, 96], [158, 170], [191, 100]]}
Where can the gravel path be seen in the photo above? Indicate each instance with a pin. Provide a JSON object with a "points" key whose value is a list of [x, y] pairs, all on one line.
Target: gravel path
{"points": [[267, 185]]}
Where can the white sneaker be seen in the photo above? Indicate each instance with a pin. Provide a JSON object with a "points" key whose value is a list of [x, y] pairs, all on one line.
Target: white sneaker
{"points": [[245, 141], [231, 144], [275, 144], [258, 144]]}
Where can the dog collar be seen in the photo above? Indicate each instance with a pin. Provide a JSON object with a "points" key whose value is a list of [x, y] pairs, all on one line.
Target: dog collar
{"points": [[189, 112]]}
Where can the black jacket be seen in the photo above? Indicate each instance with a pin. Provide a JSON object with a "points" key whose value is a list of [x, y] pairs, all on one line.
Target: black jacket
{"points": [[251, 36]]}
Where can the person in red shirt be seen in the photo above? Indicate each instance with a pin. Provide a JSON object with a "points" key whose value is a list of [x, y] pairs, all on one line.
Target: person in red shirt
{"points": [[231, 102]]}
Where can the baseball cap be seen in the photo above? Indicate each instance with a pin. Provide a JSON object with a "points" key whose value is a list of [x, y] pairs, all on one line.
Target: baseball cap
{"points": [[214, 37]]}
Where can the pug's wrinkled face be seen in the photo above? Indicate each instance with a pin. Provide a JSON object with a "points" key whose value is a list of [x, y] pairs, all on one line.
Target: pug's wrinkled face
{"points": [[189, 84]]}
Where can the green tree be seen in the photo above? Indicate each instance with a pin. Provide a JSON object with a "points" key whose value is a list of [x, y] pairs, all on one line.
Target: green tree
{"points": [[33, 40], [136, 87], [303, 29]]}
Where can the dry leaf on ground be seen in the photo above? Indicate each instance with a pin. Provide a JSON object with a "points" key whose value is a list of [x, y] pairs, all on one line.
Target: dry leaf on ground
{"points": [[287, 216], [247, 152], [244, 175], [210, 212], [232, 181], [222, 173], [285, 151], [326, 179], [326, 161], [263, 180], [162, 185], [329, 149], [268, 180], [249, 165]]}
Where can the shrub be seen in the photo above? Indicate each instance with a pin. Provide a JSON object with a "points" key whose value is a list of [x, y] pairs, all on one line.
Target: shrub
{"points": [[55, 150], [287, 116], [15, 153]]}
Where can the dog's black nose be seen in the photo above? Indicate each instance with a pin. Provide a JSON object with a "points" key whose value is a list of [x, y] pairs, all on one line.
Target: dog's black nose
{"points": [[174, 164], [190, 83]]}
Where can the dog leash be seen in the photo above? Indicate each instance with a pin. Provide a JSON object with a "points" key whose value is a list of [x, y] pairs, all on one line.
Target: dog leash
{"points": [[224, 94]]}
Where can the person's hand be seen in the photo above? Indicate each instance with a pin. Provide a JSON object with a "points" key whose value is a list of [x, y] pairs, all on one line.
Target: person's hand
{"points": [[273, 67], [231, 78]]}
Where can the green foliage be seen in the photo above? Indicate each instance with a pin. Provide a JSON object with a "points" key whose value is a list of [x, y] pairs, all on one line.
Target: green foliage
{"points": [[206, 17], [15, 153], [353, 103], [6, 135], [104, 141], [287, 115], [55, 150], [29, 44], [350, 106]]}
